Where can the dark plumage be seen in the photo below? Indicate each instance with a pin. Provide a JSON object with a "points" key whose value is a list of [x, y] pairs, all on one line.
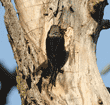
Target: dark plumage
{"points": [[55, 51]]}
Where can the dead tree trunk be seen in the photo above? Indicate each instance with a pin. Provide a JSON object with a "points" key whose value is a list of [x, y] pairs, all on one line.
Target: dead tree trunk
{"points": [[79, 22]]}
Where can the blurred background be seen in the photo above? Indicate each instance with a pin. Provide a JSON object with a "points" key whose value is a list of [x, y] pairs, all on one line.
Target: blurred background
{"points": [[7, 57]]}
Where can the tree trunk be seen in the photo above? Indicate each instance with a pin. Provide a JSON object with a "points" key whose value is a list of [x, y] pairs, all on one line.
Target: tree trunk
{"points": [[79, 23]]}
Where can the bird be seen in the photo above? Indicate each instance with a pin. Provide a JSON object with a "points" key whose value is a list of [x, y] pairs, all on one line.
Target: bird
{"points": [[55, 51]]}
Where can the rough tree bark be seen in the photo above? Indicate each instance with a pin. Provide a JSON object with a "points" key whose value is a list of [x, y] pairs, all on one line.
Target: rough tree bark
{"points": [[80, 83]]}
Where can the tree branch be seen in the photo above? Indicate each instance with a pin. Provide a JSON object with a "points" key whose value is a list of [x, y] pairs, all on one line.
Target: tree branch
{"points": [[105, 24], [8, 80]]}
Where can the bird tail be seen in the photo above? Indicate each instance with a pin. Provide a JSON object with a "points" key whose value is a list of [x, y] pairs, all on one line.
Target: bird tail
{"points": [[54, 73]]}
